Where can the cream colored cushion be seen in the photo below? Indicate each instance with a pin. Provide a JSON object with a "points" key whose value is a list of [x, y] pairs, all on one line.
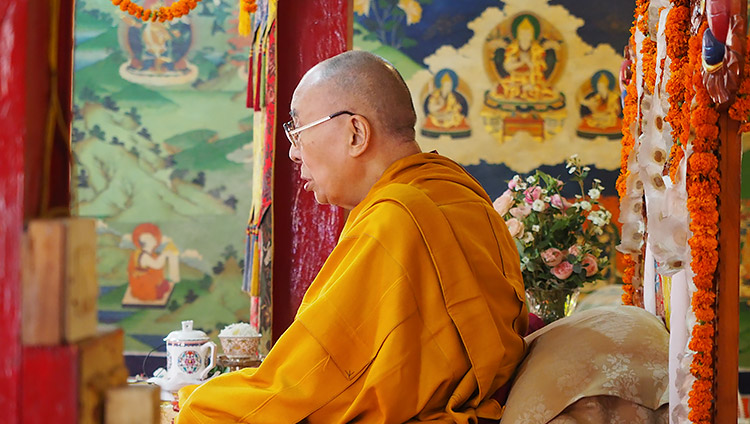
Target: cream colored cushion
{"points": [[613, 357]]}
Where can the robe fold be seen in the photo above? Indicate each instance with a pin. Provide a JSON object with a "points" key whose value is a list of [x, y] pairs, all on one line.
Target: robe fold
{"points": [[416, 315]]}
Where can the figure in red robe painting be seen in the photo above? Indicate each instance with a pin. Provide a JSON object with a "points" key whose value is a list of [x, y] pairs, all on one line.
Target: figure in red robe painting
{"points": [[146, 266]]}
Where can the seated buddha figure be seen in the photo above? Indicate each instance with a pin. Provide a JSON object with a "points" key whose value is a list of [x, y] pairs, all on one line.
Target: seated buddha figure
{"points": [[445, 108], [600, 107], [525, 63]]}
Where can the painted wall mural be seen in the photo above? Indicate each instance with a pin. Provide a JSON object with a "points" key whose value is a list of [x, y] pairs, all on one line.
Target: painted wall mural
{"points": [[507, 87], [162, 144]]}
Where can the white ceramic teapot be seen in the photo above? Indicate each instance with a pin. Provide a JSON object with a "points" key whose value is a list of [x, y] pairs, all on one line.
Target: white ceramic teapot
{"points": [[190, 355]]}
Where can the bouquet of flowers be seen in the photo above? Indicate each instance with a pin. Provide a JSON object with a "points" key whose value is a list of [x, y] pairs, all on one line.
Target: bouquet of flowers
{"points": [[559, 241]]}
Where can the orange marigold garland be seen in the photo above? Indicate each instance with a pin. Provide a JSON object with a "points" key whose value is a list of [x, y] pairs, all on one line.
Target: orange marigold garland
{"points": [[247, 7], [630, 112], [703, 190], [740, 110], [176, 10], [648, 49], [677, 34]]}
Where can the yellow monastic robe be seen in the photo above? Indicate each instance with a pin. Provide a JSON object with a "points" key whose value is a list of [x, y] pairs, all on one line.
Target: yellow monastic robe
{"points": [[417, 315]]}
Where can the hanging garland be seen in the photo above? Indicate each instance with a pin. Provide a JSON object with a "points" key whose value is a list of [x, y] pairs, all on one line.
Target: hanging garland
{"points": [[703, 190], [677, 34], [182, 8], [648, 49], [740, 110], [630, 112], [176, 10]]}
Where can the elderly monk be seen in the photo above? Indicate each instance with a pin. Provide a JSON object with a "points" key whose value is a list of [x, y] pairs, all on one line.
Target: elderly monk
{"points": [[418, 312]]}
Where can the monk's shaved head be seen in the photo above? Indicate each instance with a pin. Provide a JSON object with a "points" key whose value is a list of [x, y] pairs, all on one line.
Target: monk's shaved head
{"points": [[366, 84]]}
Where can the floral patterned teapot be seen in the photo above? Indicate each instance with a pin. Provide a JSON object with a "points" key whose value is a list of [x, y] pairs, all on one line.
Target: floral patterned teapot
{"points": [[190, 355]]}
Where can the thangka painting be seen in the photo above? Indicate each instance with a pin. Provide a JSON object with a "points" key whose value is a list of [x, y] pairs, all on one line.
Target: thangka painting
{"points": [[163, 158], [506, 87]]}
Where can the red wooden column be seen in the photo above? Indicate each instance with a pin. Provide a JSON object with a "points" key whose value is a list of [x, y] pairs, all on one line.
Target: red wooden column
{"points": [[309, 31], [12, 105]]}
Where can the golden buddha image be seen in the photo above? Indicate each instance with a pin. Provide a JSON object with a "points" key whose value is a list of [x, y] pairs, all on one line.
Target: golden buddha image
{"points": [[445, 106], [601, 112], [524, 56]]}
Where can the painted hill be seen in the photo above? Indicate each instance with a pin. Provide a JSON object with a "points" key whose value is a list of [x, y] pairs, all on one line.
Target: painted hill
{"points": [[210, 156], [118, 180]]}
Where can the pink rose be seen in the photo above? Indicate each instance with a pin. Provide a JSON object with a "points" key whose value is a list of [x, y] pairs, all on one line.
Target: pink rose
{"points": [[574, 250], [559, 202], [515, 227], [552, 256], [503, 203], [532, 193], [521, 212], [589, 264], [512, 184], [563, 270]]}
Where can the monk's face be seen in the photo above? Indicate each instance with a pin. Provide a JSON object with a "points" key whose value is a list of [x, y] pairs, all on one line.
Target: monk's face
{"points": [[321, 150]]}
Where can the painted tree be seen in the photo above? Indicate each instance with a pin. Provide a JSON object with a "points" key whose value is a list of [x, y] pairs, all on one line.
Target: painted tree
{"points": [[134, 115], [200, 179], [98, 132], [83, 178], [386, 19], [77, 135], [229, 252], [231, 202], [145, 134], [109, 103]]}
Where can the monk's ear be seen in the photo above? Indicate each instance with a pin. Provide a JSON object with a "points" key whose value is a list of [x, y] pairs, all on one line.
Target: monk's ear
{"points": [[360, 133]]}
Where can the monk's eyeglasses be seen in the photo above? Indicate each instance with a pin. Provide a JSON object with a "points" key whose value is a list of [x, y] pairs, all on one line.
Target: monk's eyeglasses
{"points": [[292, 132]]}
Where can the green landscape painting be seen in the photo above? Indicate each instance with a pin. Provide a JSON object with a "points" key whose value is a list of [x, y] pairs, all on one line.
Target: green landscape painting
{"points": [[162, 150]]}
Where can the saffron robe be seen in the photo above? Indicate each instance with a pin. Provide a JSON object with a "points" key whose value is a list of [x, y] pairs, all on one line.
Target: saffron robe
{"points": [[416, 315]]}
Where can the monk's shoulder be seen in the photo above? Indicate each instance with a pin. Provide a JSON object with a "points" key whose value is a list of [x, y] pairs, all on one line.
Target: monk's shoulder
{"points": [[385, 219]]}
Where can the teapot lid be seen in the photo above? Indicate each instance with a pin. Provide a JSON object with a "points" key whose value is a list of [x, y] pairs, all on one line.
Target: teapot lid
{"points": [[187, 333]]}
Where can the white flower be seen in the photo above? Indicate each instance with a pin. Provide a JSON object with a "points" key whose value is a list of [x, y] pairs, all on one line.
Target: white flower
{"points": [[572, 170], [545, 198], [586, 169], [585, 205], [538, 205], [594, 193], [535, 228], [596, 218], [531, 179], [527, 237]]}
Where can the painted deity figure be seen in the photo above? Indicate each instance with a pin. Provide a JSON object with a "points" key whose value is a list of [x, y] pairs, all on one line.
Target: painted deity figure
{"points": [[445, 108], [600, 107], [146, 266], [524, 63], [157, 52], [524, 55]]}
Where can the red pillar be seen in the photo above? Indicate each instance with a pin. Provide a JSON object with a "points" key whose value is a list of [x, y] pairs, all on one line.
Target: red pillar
{"points": [[12, 106], [25, 92], [309, 31]]}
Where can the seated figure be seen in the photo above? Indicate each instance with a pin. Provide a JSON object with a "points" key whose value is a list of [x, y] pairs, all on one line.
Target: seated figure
{"points": [[418, 313]]}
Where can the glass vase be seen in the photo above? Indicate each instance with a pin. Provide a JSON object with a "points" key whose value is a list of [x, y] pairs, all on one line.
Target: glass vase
{"points": [[551, 304]]}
